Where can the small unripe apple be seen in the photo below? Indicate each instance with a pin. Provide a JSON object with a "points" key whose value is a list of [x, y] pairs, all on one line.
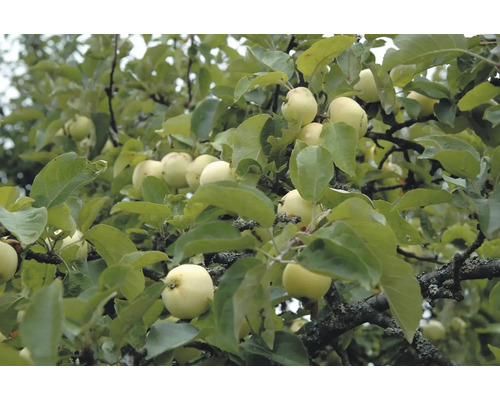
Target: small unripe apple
{"points": [[188, 292], [434, 331], [300, 106], [426, 103], [367, 87], [293, 204], [458, 324], [196, 167], [216, 171], [83, 246], [300, 282], [8, 262], [146, 168], [78, 127], [345, 109], [310, 133], [174, 169]]}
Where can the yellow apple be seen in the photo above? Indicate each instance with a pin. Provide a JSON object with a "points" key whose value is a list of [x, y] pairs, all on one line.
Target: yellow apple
{"points": [[367, 86], [426, 103], [8, 262], [146, 168], [195, 168], [188, 292], [78, 127], [300, 282], [216, 171], [434, 331], [293, 204], [310, 133], [83, 246], [174, 169], [300, 106], [345, 109]]}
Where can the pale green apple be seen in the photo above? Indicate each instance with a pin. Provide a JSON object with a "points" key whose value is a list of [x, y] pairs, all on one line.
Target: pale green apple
{"points": [[367, 87], [458, 324], [216, 171], [426, 103], [310, 133], [188, 292], [300, 106], [146, 168], [78, 127], [174, 169], [293, 204], [195, 168], [8, 262], [345, 109], [299, 282], [434, 331]]}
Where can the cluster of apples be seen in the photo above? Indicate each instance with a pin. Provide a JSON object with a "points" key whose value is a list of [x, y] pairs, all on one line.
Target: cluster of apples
{"points": [[179, 170], [79, 128]]}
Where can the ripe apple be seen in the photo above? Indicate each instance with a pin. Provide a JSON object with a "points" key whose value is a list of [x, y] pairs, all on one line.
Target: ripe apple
{"points": [[292, 203], [188, 292], [146, 168], [83, 246], [345, 109], [195, 168], [174, 169], [78, 127], [300, 106], [310, 133], [434, 331], [216, 171], [367, 87], [426, 103], [8, 262], [300, 282]]}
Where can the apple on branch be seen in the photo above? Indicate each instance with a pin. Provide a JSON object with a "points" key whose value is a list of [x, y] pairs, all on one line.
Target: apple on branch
{"points": [[299, 282], [174, 169], [293, 204], [310, 133], [196, 167], [367, 87], [347, 110], [216, 171], [8, 262], [300, 106], [146, 168], [79, 127], [189, 291]]}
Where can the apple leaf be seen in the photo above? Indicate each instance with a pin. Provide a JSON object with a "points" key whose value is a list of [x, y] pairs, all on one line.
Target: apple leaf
{"points": [[422, 197], [131, 153], [430, 50], [211, 237], [89, 212], [245, 200], [154, 190], [405, 232], [141, 259], [245, 84], [341, 140], [60, 177], [403, 293], [110, 243], [41, 326], [165, 335], [127, 280], [27, 224], [180, 125], [132, 314], [356, 208], [385, 87], [333, 197], [236, 291], [480, 94], [202, 117], [488, 210], [151, 210], [247, 140], [311, 169], [322, 52]]}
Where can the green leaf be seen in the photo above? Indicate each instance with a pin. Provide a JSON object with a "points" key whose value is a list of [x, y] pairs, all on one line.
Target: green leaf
{"points": [[160, 211], [247, 140], [8, 196], [141, 259], [61, 177], [488, 210], [59, 217], [481, 94], [89, 212], [236, 290], [495, 351], [460, 163], [385, 87], [341, 140], [492, 114], [429, 50], [211, 237], [333, 197], [41, 326], [403, 294], [311, 169], [154, 190], [23, 114], [279, 61], [202, 116], [36, 275], [166, 335], [245, 200], [322, 52], [27, 224], [132, 314], [356, 208], [110, 243], [9, 357], [178, 125], [421, 198], [246, 84], [405, 232], [131, 153]]}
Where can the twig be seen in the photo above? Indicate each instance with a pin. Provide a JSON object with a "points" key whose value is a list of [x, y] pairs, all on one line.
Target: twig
{"points": [[109, 91]]}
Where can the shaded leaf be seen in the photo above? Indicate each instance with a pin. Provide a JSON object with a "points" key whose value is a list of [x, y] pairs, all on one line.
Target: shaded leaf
{"points": [[165, 335]]}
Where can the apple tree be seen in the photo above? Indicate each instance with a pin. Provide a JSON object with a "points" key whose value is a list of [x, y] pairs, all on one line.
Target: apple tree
{"points": [[251, 200]]}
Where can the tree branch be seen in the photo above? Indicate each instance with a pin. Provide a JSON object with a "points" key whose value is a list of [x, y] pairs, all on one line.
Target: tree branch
{"points": [[109, 91]]}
